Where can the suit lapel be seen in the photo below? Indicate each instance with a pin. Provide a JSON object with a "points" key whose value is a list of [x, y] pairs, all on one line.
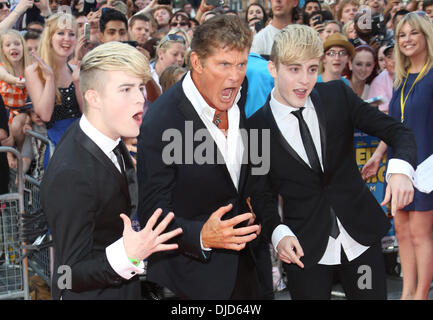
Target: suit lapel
{"points": [[94, 150], [191, 115], [320, 111], [267, 112]]}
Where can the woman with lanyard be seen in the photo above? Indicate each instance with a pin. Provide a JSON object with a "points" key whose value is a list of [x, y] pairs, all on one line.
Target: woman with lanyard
{"points": [[412, 104]]}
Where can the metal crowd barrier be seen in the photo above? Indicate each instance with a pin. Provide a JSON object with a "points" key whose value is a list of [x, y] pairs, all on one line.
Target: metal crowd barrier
{"points": [[40, 252], [13, 268]]}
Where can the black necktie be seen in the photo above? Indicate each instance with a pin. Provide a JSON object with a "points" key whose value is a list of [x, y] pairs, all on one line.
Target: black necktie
{"points": [[308, 142], [118, 153], [128, 172], [313, 158]]}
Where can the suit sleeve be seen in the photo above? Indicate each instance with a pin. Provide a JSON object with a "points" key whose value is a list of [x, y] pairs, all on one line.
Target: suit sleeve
{"points": [[264, 199], [376, 123], [156, 182], [70, 205]]}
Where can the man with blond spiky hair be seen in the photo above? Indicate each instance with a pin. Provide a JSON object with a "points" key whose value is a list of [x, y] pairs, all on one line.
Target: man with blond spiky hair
{"points": [[91, 180], [331, 221]]}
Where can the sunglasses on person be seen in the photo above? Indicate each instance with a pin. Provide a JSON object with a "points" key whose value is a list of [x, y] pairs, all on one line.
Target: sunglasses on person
{"points": [[332, 53], [5, 4], [173, 37], [181, 24]]}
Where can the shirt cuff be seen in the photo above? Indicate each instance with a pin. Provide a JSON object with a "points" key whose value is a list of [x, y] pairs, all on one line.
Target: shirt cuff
{"points": [[400, 166], [119, 261], [201, 245], [279, 233]]}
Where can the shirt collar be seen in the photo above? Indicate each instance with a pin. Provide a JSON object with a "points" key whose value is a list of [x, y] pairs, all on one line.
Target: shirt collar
{"points": [[282, 111], [101, 140]]}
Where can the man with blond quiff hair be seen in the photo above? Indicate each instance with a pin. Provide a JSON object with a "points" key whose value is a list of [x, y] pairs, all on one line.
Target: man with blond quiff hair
{"points": [[331, 222], [91, 180]]}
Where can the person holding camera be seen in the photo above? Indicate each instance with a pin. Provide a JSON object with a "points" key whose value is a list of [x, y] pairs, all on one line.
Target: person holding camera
{"points": [[256, 17], [371, 28]]}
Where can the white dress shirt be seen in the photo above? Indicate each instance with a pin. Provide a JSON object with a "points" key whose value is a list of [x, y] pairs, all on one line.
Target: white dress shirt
{"points": [[230, 146], [116, 254], [289, 127]]}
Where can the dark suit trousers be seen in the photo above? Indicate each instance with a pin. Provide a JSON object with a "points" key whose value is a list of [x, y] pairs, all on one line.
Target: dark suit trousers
{"points": [[361, 278], [247, 282]]}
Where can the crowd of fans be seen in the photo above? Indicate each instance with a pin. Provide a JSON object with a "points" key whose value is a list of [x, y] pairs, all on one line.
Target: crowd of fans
{"points": [[42, 43]]}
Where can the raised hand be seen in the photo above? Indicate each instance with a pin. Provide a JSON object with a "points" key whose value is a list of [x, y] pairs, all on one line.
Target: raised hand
{"points": [[23, 5], [140, 245], [47, 72], [217, 233], [290, 251]]}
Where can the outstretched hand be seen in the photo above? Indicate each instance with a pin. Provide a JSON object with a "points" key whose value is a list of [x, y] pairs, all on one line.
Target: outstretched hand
{"points": [[217, 233], [140, 245]]}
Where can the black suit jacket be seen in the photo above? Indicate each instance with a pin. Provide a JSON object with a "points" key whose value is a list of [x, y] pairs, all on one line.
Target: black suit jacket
{"points": [[82, 195], [308, 196], [193, 192]]}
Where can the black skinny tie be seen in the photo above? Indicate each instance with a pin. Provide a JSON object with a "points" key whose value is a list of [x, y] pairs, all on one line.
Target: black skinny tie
{"points": [[118, 153], [313, 158], [308, 142]]}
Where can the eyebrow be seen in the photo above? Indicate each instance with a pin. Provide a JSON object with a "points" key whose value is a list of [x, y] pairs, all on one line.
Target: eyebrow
{"points": [[131, 84], [300, 65]]}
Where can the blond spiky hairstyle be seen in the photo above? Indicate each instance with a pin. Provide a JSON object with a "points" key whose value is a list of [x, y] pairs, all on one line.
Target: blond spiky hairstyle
{"points": [[296, 43], [111, 56]]}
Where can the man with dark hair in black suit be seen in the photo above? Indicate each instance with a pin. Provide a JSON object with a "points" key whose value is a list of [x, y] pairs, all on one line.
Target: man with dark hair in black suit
{"points": [[209, 197]]}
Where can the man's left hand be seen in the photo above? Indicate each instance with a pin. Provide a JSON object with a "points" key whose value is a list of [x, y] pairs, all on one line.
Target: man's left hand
{"points": [[400, 191]]}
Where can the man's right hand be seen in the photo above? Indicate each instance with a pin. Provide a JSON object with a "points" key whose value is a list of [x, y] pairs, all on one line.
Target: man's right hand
{"points": [[140, 245], [290, 251], [217, 233]]}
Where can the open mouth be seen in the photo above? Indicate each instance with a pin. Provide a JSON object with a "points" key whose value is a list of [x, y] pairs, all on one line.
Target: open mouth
{"points": [[227, 94], [138, 117], [300, 93]]}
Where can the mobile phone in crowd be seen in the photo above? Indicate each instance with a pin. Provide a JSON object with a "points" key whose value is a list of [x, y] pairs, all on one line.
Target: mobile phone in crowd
{"points": [[87, 31], [166, 2], [317, 20], [259, 26]]}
